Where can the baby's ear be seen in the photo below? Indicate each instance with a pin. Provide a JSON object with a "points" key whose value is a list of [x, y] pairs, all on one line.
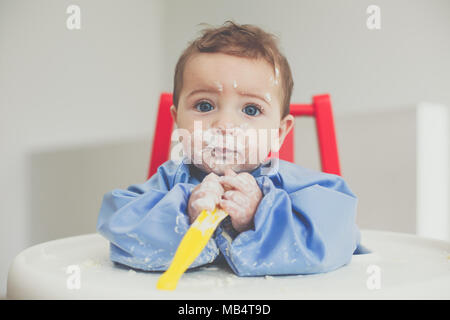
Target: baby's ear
{"points": [[286, 124], [173, 112]]}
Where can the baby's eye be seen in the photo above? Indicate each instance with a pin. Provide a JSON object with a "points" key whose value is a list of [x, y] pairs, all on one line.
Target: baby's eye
{"points": [[251, 110], [204, 106]]}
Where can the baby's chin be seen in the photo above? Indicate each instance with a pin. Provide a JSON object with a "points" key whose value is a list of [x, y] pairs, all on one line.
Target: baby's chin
{"points": [[220, 168]]}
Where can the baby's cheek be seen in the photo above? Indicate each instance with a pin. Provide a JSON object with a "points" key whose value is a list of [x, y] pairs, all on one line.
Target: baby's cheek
{"points": [[259, 144]]}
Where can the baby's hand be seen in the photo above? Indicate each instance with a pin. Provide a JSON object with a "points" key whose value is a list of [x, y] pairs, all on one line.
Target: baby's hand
{"points": [[205, 195], [241, 198]]}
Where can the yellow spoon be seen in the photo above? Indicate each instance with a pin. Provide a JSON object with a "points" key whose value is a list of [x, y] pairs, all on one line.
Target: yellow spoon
{"points": [[190, 247]]}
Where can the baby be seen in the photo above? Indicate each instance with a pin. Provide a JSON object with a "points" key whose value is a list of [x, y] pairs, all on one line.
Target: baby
{"points": [[232, 90]]}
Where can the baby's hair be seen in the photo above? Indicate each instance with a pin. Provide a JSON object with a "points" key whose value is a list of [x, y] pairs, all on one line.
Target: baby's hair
{"points": [[246, 41]]}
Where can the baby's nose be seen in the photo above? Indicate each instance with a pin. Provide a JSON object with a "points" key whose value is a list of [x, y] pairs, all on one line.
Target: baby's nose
{"points": [[223, 126], [224, 121]]}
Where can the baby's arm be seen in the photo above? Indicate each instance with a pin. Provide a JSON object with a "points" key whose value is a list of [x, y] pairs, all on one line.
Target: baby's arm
{"points": [[309, 230], [146, 222]]}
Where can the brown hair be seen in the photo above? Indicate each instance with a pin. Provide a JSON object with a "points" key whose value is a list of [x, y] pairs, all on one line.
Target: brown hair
{"points": [[247, 41]]}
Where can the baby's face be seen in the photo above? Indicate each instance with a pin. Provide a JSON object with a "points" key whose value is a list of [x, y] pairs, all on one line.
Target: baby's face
{"points": [[230, 101]]}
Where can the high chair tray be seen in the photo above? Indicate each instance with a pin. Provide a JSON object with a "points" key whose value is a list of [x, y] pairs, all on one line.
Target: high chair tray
{"points": [[400, 266]]}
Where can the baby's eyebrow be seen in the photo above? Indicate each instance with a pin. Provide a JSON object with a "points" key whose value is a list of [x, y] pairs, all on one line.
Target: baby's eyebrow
{"points": [[203, 90], [254, 96], [242, 93]]}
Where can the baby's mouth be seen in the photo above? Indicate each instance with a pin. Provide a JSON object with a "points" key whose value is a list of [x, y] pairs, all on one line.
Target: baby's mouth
{"points": [[222, 152]]}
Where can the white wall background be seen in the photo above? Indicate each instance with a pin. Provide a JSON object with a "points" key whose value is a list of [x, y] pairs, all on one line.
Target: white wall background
{"points": [[77, 107], [64, 91]]}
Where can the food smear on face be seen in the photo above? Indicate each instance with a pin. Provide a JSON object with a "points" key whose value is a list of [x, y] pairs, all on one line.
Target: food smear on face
{"points": [[221, 148]]}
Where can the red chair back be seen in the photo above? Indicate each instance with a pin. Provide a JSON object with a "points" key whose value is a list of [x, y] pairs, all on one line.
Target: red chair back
{"points": [[320, 109]]}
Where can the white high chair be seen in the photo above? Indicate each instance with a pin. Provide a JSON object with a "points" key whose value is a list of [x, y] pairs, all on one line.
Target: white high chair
{"points": [[400, 266]]}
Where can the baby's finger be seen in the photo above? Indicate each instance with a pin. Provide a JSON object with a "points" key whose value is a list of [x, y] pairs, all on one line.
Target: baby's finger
{"points": [[232, 208], [230, 172], [204, 203], [229, 182], [248, 179], [238, 216], [236, 196], [211, 186], [211, 177], [193, 216]]}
